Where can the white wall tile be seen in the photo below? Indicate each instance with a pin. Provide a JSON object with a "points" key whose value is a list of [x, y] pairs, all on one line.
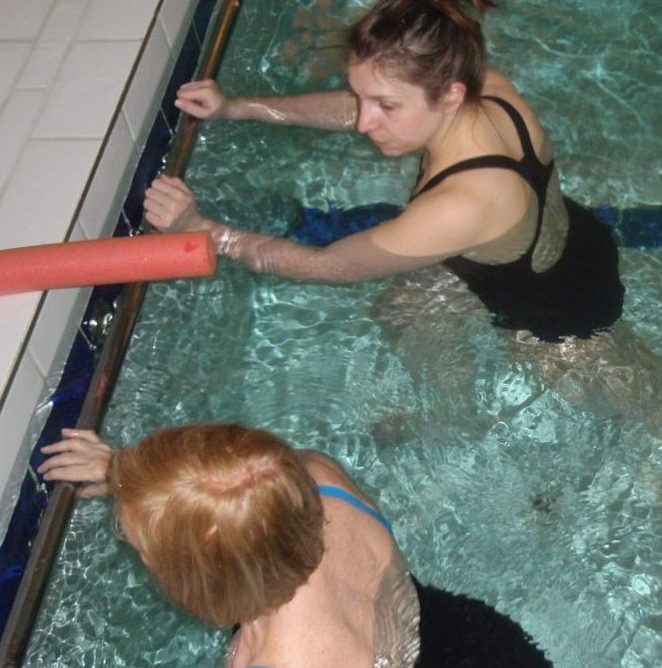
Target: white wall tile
{"points": [[110, 184], [15, 416], [56, 329], [56, 324], [49, 49], [16, 122], [16, 314], [22, 19], [52, 44], [13, 56], [175, 17], [86, 94], [44, 191], [119, 19], [140, 105]]}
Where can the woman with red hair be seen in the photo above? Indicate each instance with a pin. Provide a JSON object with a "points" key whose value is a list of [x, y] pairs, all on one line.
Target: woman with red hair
{"points": [[241, 529]]}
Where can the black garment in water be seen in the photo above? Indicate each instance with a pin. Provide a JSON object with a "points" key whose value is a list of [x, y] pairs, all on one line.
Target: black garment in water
{"points": [[460, 632], [580, 295]]}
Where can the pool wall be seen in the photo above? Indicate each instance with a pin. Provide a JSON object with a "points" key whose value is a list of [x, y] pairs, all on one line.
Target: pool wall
{"points": [[41, 393], [79, 91]]}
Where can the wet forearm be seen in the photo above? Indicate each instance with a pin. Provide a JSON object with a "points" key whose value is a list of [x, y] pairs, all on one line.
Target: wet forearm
{"points": [[354, 258], [265, 254], [334, 110]]}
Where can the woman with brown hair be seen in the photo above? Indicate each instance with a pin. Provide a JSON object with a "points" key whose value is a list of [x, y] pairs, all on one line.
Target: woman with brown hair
{"points": [[241, 529], [486, 225], [487, 204]]}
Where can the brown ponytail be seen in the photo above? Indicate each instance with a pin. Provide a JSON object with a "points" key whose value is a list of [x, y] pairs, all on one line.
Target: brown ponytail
{"points": [[453, 9], [428, 43]]}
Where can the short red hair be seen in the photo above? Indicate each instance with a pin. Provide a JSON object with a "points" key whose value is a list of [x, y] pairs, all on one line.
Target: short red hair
{"points": [[226, 517]]}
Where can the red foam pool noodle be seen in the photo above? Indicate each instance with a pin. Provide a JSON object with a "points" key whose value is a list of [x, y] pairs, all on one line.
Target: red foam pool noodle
{"points": [[148, 257]]}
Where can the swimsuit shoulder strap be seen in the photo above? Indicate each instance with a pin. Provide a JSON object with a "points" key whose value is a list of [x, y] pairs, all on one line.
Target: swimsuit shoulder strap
{"points": [[339, 493], [529, 167], [520, 125], [498, 161], [532, 170]]}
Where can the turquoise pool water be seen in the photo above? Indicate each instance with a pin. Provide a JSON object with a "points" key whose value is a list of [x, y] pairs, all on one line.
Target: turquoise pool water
{"points": [[499, 487]]}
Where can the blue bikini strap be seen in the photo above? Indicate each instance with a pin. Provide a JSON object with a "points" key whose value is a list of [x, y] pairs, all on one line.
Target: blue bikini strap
{"points": [[344, 495]]}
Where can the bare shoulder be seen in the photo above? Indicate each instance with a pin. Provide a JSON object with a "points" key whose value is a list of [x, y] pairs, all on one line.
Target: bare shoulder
{"points": [[322, 468], [442, 222], [498, 85], [327, 471]]}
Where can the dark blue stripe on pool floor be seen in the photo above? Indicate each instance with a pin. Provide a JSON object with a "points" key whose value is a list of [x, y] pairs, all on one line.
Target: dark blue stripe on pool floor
{"points": [[634, 228]]}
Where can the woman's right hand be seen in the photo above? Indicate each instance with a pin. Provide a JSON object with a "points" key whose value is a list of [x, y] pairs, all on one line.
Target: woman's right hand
{"points": [[170, 206], [202, 99], [80, 457]]}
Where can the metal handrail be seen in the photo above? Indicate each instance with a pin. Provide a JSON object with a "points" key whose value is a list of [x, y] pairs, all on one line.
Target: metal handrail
{"points": [[54, 521]]}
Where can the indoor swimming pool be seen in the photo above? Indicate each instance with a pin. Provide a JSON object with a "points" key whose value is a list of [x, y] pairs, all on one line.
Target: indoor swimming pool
{"points": [[501, 485]]}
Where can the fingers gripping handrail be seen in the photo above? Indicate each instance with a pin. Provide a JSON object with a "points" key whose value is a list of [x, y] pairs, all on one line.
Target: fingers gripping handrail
{"points": [[44, 548]]}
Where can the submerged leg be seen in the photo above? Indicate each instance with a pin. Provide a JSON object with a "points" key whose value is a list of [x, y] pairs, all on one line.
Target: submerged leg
{"points": [[611, 372], [427, 317]]}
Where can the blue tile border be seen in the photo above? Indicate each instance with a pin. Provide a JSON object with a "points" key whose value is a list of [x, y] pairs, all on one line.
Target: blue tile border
{"points": [[181, 74], [67, 402], [148, 166], [68, 398], [202, 16]]}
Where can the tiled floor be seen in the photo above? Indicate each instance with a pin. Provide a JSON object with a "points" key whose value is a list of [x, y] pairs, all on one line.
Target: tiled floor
{"points": [[78, 85]]}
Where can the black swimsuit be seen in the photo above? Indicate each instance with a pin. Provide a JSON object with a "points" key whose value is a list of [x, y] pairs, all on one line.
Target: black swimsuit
{"points": [[457, 631], [580, 295]]}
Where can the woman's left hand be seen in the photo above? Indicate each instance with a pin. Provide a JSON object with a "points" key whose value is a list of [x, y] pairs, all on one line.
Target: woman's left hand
{"points": [[170, 206], [80, 457]]}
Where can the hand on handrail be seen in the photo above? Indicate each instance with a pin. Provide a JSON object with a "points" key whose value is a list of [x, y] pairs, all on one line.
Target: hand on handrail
{"points": [[202, 99], [81, 457], [170, 206]]}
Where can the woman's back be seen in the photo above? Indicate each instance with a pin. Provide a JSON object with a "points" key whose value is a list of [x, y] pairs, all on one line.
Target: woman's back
{"points": [[361, 592]]}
